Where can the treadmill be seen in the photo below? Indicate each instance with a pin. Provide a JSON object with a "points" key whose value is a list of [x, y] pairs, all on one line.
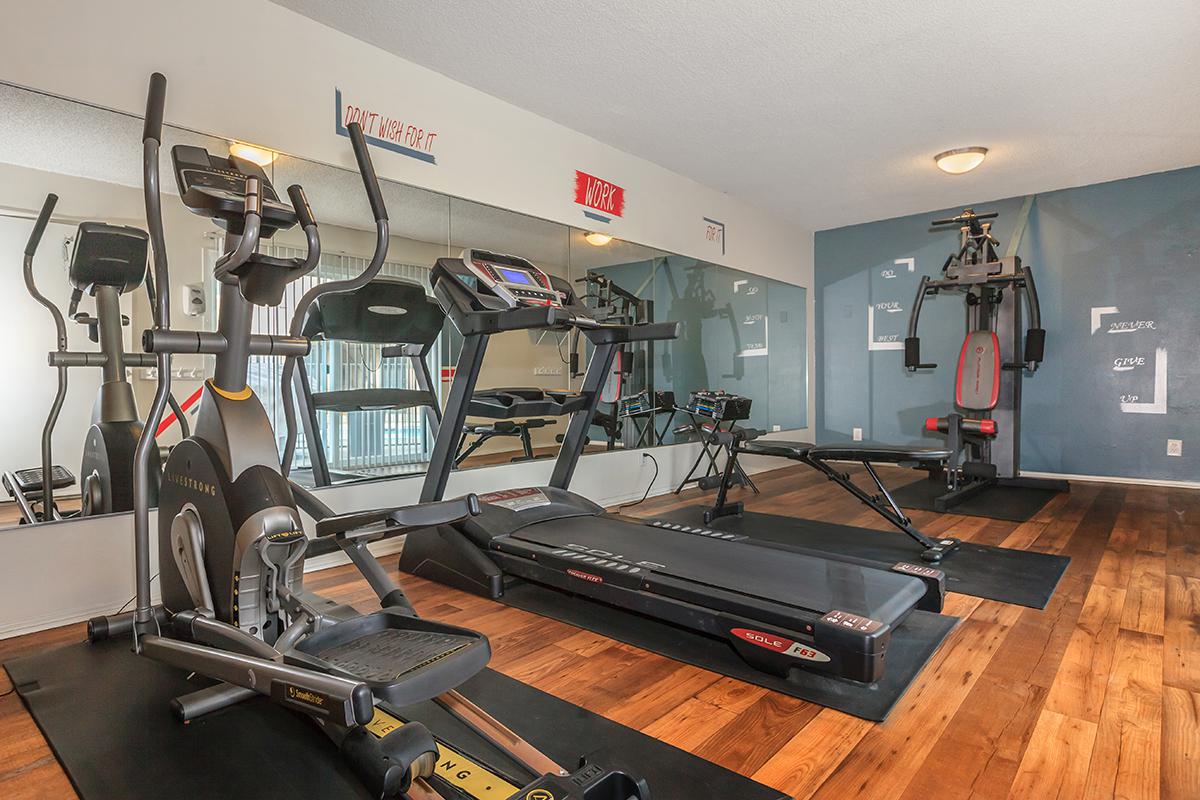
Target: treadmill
{"points": [[783, 611]]}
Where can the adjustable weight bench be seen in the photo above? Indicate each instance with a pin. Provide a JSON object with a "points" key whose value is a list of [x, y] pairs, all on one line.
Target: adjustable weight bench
{"points": [[499, 428], [819, 457]]}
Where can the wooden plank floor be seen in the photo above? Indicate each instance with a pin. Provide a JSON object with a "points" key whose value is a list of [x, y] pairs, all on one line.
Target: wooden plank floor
{"points": [[1097, 696]]}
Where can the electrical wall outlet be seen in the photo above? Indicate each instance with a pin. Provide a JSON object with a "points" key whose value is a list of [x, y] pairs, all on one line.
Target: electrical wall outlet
{"points": [[858, 434], [193, 299], [776, 428], [547, 370], [1175, 447]]}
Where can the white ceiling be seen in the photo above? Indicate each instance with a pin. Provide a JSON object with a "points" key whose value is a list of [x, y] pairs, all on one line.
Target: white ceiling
{"points": [[829, 113]]}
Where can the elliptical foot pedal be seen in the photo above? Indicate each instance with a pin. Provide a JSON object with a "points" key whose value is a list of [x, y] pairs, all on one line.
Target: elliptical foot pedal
{"points": [[402, 659]]}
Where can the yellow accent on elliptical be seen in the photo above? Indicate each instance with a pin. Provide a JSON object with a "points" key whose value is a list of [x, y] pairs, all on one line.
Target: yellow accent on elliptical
{"points": [[453, 767], [245, 394]]}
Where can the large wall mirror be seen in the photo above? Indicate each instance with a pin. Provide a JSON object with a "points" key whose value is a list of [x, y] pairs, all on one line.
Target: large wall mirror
{"points": [[368, 401]]}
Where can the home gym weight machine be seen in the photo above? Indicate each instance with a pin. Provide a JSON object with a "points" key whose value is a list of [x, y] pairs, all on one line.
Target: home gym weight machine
{"points": [[232, 544], [983, 432], [107, 261], [633, 366]]}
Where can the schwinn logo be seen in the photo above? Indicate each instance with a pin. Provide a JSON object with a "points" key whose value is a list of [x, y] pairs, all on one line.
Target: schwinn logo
{"points": [[1127, 363]]}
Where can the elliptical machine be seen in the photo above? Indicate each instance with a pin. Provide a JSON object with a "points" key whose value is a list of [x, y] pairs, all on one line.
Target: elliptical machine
{"points": [[983, 432], [107, 261], [232, 544]]}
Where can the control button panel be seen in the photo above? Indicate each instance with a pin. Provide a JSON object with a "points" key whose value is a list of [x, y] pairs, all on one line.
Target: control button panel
{"points": [[918, 570], [854, 622]]}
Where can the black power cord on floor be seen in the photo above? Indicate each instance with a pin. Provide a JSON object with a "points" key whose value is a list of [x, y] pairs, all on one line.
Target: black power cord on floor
{"points": [[648, 488]]}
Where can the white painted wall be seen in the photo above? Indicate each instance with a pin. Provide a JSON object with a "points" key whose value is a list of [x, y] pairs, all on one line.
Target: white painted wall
{"points": [[275, 86]]}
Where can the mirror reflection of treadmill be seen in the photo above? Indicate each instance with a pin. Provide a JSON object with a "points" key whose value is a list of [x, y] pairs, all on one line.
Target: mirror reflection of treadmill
{"points": [[403, 324]]}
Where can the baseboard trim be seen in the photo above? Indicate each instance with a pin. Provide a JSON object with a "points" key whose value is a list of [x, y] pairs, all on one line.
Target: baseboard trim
{"points": [[1114, 479]]}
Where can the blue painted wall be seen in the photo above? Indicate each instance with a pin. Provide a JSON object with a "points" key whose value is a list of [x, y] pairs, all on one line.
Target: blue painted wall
{"points": [[1094, 407]]}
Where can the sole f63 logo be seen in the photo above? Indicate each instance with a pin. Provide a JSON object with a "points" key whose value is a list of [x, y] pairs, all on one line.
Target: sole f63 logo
{"points": [[779, 644]]}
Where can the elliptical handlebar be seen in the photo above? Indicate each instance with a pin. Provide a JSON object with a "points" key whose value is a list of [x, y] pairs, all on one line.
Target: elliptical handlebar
{"points": [[35, 239], [60, 330], [247, 244], [156, 102], [382, 240], [367, 170], [156, 99], [39, 225], [300, 203]]}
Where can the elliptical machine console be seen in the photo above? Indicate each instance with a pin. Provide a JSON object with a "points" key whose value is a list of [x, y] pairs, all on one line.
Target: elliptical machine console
{"points": [[214, 187]]}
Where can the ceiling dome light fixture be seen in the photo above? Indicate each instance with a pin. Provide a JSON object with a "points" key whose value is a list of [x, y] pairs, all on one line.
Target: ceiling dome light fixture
{"points": [[964, 159], [257, 155], [597, 239]]}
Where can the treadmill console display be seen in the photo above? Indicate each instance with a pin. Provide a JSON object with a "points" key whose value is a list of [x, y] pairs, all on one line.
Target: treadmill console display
{"points": [[511, 278], [718, 405]]}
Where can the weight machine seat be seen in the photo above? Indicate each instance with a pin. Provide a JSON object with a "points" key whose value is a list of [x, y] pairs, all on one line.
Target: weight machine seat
{"points": [[504, 427], [371, 399], [883, 453]]}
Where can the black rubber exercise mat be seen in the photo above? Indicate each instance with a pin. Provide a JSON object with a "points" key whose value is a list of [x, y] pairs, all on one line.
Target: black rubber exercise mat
{"points": [[1009, 503], [912, 645], [104, 712], [996, 573]]}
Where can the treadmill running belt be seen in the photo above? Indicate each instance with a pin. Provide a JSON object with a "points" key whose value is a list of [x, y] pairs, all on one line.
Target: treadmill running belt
{"points": [[792, 579], [995, 573], [104, 712]]}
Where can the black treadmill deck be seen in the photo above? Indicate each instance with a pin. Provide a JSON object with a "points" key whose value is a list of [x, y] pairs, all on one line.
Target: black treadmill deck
{"points": [[774, 576]]}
